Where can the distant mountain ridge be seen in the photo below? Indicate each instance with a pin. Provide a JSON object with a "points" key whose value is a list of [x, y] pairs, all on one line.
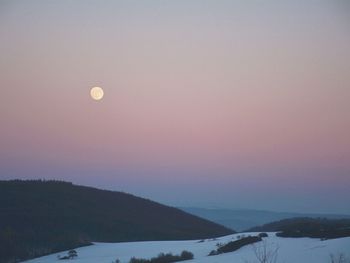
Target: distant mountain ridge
{"points": [[42, 217], [244, 219]]}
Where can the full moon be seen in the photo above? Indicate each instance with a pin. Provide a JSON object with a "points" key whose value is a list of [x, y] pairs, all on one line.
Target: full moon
{"points": [[96, 93]]}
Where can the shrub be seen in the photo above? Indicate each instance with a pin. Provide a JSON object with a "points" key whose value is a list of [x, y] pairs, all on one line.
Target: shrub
{"points": [[213, 253], [72, 253], [186, 255], [218, 245], [263, 235]]}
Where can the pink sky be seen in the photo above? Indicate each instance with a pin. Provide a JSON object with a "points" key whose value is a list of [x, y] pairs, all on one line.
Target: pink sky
{"points": [[240, 104]]}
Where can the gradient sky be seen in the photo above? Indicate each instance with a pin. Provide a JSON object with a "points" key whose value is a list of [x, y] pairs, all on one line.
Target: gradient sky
{"points": [[231, 104]]}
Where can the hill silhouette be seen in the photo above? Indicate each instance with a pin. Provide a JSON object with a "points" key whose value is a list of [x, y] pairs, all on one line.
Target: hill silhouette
{"points": [[42, 217], [243, 219]]}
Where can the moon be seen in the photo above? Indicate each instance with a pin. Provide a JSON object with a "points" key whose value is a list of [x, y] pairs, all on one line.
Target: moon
{"points": [[96, 93]]}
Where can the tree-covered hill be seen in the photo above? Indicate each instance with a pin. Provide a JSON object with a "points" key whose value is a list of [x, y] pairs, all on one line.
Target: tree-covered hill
{"points": [[308, 227], [41, 217]]}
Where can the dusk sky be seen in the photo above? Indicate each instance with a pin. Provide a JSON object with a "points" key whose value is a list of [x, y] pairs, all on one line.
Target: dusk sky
{"points": [[230, 104]]}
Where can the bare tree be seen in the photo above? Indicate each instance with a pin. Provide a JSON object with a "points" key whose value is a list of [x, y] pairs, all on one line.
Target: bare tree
{"points": [[340, 258], [265, 253]]}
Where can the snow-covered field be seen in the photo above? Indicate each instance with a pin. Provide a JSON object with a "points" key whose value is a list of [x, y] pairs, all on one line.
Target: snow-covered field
{"points": [[290, 250]]}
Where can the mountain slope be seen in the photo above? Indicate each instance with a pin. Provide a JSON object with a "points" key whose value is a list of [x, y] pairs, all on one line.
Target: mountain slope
{"points": [[40, 217], [241, 220]]}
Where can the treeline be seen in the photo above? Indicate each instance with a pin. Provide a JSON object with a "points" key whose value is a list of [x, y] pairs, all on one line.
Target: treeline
{"points": [[235, 245], [164, 258]]}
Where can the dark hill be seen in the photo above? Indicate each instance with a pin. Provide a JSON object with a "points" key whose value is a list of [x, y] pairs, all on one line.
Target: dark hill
{"points": [[308, 227], [41, 217]]}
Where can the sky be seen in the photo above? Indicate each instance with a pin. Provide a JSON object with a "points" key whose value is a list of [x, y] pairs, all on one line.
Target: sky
{"points": [[221, 104]]}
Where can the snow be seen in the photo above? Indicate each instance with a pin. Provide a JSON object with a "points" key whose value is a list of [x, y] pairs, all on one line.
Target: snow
{"points": [[290, 250]]}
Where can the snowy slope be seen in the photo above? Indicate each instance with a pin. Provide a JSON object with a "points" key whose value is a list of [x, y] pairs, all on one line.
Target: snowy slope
{"points": [[291, 250]]}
